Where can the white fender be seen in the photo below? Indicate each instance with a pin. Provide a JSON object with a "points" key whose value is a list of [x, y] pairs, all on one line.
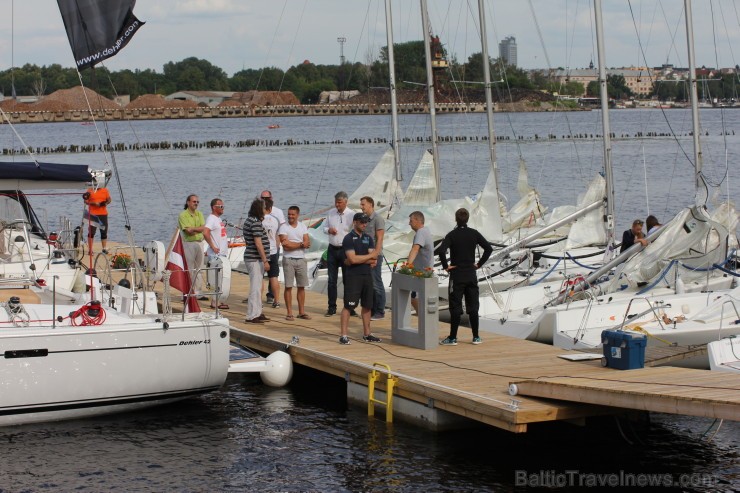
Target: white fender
{"points": [[280, 369]]}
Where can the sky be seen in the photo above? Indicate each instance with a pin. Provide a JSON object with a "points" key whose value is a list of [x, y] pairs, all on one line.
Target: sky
{"points": [[238, 34]]}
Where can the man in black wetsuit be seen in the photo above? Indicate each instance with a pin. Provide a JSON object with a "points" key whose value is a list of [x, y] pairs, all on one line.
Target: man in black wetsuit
{"points": [[462, 242]]}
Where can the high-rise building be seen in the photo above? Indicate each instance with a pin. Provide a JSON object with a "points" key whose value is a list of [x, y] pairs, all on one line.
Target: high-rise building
{"points": [[507, 50]]}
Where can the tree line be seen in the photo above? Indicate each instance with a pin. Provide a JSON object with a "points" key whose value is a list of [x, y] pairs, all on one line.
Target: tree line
{"points": [[308, 80]]}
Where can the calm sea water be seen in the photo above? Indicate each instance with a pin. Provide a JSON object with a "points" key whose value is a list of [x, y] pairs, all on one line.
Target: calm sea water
{"points": [[247, 437], [652, 174]]}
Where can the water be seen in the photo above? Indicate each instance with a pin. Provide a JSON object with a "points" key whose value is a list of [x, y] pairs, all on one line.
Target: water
{"points": [[652, 175], [247, 437]]}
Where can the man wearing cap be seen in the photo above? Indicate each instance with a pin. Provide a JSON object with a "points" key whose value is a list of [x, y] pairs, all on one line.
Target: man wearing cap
{"points": [[337, 224], [633, 235], [361, 258]]}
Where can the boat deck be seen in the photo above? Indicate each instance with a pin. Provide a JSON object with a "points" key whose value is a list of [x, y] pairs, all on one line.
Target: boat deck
{"points": [[474, 380]]}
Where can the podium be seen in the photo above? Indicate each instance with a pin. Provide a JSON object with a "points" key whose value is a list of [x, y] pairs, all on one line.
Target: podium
{"points": [[426, 334]]}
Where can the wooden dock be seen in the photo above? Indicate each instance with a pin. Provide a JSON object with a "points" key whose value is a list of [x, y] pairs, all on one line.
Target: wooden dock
{"points": [[474, 380]]}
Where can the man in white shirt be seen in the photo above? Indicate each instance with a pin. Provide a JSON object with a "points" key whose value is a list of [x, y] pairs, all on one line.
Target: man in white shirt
{"points": [[214, 232], [337, 224], [295, 241]]}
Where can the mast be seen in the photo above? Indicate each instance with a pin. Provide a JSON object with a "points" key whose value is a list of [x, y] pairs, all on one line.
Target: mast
{"points": [[430, 91], [487, 81], [609, 219], [392, 82], [700, 185]]}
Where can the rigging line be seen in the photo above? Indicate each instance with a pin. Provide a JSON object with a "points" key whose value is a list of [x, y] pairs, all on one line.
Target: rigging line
{"points": [[292, 45], [549, 67], [365, 24], [15, 132], [143, 150], [729, 45], [673, 34], [460, 96], [106, 127], [92, 115], [721, 111], [650, 74], [269, 50], [591, 19]]}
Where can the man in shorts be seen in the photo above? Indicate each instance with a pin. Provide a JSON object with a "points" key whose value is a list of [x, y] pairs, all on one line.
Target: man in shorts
{"points": [[271, 225], [295, 241], [361, 258]]}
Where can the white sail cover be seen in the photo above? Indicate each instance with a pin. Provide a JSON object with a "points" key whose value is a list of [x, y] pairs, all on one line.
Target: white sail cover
{"points": [[422, 190], [381, 184], [693, 239], [589, 229], [528, 212], [485, 215]]}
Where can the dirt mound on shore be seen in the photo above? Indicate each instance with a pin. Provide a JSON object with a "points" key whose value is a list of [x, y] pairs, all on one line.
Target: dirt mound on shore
{"points": [[261, 98], [158, 101], [75, 98], [13, 105]]}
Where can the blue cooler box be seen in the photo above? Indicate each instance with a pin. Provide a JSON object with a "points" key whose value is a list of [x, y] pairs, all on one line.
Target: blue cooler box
{"points": [[623, 350]]}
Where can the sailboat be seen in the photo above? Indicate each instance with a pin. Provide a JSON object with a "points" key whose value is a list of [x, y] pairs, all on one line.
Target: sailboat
{"points": [[67, 357], [28, 253], [642, 288]]}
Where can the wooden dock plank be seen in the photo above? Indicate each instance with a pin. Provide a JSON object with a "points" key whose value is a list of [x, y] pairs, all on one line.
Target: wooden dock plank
{"points": [[473, 380]]}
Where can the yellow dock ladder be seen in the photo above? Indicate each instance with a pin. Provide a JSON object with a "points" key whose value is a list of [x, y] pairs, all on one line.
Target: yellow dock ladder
{"points": [[390, 384]]}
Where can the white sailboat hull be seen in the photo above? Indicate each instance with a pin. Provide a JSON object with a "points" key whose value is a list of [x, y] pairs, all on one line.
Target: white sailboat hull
{"points": [[724, 355], [50, 374]]}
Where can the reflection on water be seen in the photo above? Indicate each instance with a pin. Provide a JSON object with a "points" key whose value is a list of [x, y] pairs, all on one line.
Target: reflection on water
{"points": [[248, 437]]}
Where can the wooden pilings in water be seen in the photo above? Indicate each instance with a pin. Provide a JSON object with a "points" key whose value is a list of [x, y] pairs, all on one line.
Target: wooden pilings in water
{"points": [[219, 144]]}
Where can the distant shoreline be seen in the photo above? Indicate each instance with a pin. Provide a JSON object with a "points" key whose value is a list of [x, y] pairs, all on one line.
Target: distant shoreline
{"points": [[174, 113]]}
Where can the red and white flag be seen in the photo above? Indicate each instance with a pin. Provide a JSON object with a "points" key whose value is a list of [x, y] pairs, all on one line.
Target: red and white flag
{"points": [[179, 274]]}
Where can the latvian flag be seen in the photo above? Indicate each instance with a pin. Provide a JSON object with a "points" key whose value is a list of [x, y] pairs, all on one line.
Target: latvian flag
{"points": [[180, 276]]}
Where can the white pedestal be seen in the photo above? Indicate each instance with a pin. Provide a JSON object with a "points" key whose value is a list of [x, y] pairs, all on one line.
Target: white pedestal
{"points": [[425, 334]]}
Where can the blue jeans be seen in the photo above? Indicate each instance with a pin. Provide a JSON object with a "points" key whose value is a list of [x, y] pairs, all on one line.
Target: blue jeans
{"points": [[379, 289]]}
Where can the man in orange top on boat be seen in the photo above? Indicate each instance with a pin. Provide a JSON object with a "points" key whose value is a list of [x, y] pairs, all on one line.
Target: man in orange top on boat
{"points": [[97, 200]]}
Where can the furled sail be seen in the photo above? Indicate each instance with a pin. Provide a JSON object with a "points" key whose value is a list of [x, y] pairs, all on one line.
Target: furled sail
{"points": [[98, 30], [381, 184]]}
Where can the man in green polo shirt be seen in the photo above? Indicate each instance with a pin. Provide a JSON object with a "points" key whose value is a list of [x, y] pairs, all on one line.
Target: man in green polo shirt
{"points": [[192, 223]]}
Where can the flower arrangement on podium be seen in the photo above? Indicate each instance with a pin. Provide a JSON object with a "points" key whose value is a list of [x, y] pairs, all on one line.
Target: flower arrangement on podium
{"points": [[121, 261], [408, 269]]}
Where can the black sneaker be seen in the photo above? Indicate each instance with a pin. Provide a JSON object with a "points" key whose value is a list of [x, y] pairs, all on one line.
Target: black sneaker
{"points": [[371, 338], [344, 340], [330, 312], [270, 298]]}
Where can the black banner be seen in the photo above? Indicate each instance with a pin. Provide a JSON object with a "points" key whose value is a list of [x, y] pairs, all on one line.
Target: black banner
{"points": [[98, 29]]}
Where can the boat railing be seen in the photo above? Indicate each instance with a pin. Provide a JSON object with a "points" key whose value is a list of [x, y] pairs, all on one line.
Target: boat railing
{"points": [[65, 240], [652, 308], [22, 245], [730, 302], [216, 285]]}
